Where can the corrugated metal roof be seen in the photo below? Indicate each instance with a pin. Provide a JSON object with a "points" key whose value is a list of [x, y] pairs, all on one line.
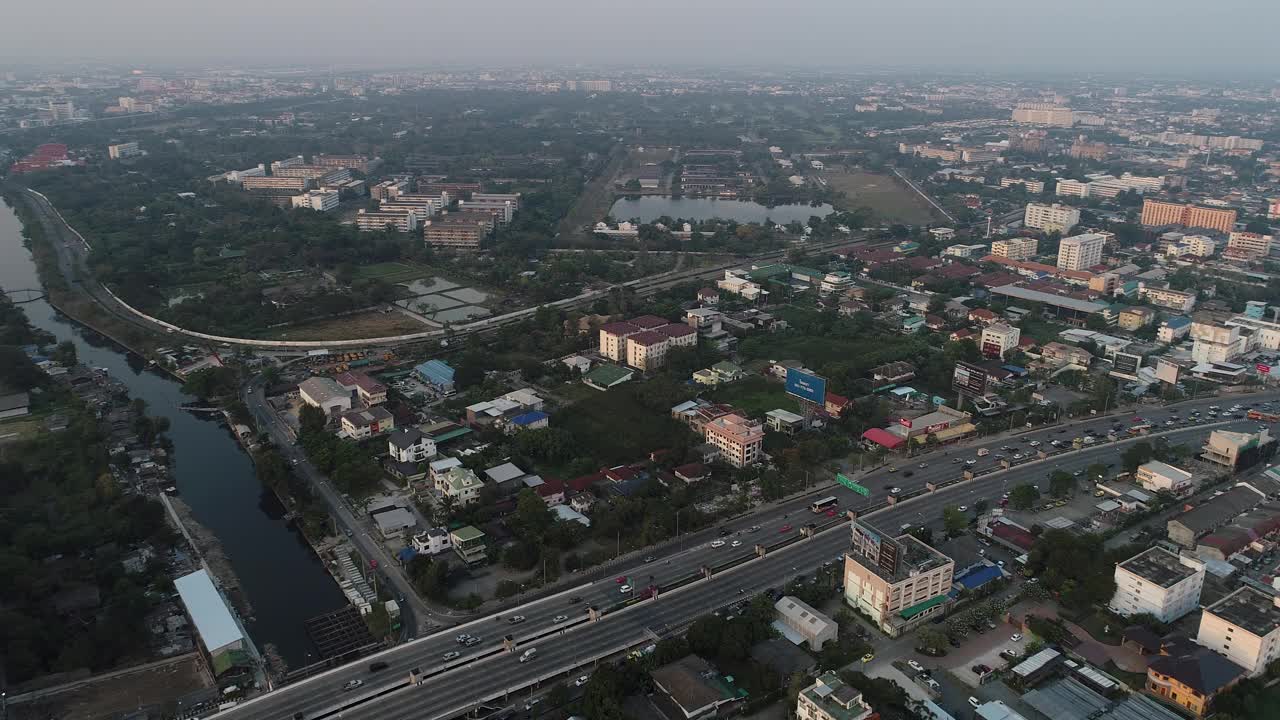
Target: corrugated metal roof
{"points": [[208, 610]]}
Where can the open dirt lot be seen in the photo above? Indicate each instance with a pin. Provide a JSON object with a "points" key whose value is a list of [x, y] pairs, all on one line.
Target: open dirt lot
{"points": [[160, 685], [353, 327], [891, 200]]}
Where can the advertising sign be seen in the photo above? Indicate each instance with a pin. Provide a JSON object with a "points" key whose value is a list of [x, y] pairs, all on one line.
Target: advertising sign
{"points": [[1264, 369], [806, 386], [1167, 372], [840, 478], [969, 378]]}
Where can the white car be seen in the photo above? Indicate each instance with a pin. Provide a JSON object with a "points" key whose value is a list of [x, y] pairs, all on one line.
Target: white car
{"points": [[352, 685], [974, 701], [451, 655], [529, 705], [717, 543], [559, 619], [582, 680], [963, 508], [1034, 443], [895, 491], [1017, 456], [970, 461], [625, 589], [736, 543], [516, 619], [923, 465], [1016, 637], [915, 666]]}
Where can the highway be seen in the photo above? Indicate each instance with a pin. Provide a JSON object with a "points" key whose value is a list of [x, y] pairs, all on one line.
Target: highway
{"points": [[487, 671]]}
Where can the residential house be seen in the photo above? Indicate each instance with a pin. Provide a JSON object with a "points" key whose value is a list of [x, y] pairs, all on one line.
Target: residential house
{"points": [[367, 422], [1192, 680], [366, 390], [830, 698], [470, 544], [431, 542], [409, 445], [461, 485]]}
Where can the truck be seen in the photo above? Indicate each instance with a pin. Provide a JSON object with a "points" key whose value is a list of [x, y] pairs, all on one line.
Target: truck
{"points": [[983, 452]]}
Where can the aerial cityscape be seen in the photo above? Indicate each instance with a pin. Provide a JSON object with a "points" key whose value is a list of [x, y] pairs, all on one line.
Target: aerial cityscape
{"points": [[639, 362]]}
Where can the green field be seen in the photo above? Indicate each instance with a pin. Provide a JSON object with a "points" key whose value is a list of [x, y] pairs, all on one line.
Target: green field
{"points": [[890, 199], [754, 396], [392, 272]]}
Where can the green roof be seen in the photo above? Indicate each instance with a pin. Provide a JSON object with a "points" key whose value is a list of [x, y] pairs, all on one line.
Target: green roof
{"points": [[908, 613], [468, 533], [606, 376], [225, 661], [773, 271], [450, 435]]}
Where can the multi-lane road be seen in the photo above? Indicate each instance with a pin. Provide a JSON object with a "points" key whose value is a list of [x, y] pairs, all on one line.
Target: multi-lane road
{"points": [[567, 640]]}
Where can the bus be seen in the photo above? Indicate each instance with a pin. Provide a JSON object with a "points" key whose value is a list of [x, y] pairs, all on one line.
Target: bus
{"points": [[1139, 429], [1259, 415], [823, 505]]}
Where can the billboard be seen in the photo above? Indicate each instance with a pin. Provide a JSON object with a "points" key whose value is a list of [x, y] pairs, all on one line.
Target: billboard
{"points": [[1167, 372], [969, 378], [1264, 369], [806, 386], [1127, 363]]}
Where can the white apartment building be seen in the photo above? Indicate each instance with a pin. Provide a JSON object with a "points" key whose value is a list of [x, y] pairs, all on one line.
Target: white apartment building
{"points": [[1019, 248], [1081, 252], [1197, 245], [318, 200], [399, 221], [1158, 582], [1245, 627], [1051, 218], [740, 440], [964, 251], [830, 698], [1035, 187], [1168, 297], [1252, 243], [1072, 188], [999, 339], [1216, 343], [1266, 334]]}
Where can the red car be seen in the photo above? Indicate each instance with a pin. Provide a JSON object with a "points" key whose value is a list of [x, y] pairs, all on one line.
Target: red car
{"points": [[1137, 419], [784, 529], [373, 564], [831, 512], [620, 580]]}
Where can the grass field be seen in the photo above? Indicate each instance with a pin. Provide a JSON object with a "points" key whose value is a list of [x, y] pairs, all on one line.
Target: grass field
{"points": [[755, 396], [392, 272], [892, 201], [353, 327]]}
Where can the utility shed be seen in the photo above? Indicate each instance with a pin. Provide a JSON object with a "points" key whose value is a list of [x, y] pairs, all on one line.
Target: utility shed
{"points": [[213, 620]]}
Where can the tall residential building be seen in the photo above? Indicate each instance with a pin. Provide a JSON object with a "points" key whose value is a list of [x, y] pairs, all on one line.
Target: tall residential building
{"points": [[123, 150], [1043, 114], [1034, 187], [1158, 582], [62, 109], [370, 221], [899, 582], [1019, 248], [389, 189], [1215, 343], [740, 440], [613, 340], [318, 200], [1245, 627], [1051, 218], [457, 231], [1084, 150], [1081, 252], [351, 162], [999, 339], [277, 183], [1156, 213]]}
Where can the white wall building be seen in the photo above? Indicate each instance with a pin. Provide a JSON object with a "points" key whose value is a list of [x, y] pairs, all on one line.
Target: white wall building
{"points": [[1245, 627], [1081, 252], [1051, 218], [1158, 582], [1157, 476]]}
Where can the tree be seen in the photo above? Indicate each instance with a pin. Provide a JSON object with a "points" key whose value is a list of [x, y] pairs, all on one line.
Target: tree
{"points": [[64, 353], [1137, 454], [1061, 483], [954, 520], [981, 506], [532, 515], [931, 640], [311, 420], [1024, 496], [1096, 472]]}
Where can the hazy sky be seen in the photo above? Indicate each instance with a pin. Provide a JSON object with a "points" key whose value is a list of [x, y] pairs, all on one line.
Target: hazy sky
{"points": [[1003, 35]]}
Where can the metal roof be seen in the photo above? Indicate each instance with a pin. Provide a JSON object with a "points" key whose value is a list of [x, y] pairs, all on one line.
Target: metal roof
{"points": [[1066, 700], [208, 611], [1035, 662]]}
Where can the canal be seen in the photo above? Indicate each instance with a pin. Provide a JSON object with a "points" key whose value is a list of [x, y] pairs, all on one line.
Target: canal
{"points": [[283, 580]]}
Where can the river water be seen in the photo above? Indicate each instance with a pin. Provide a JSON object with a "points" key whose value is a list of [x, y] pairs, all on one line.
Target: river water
{"points": [[651, 207], [284, 581]]}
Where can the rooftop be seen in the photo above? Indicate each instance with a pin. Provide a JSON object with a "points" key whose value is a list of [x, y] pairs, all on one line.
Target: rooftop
{"points": [[1204, 670], [1248, 609], [837, 698], [1158, 566], [1069, 303], [647, 337], [208, 610]]}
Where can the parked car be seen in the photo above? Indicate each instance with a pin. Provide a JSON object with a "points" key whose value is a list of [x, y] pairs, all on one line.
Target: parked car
{"points": [[582, 680], [1016, 637], [974, 701], [915, 666]]}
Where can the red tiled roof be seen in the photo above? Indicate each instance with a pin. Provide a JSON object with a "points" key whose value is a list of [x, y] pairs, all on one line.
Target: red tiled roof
{"points": [[1015, 535], [839, 401], [579, 484], [549, 487], [648, 322], [883, 437], [982, 314], [648, 337], [692, 470], [708, 292], [619, 328], [676, 330]]}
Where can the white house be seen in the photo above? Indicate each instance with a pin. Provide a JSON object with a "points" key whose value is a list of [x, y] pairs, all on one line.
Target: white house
{"points": [[409, 445]]}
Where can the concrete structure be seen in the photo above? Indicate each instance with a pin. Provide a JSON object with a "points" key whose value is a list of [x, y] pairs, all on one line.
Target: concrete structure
{"points": [[367, 422], [1245, 627], [317, 200], [1038, 113], [1021, 248], [784, 421], [1160, 477], [1178, 300], [1173, 329], [431, 542], [123, 150], [1135, 318], [1080, 252], [469, 543], [898, 582], [409, 445], [830, 698], [326, 394], [457, 231], [259, 182], [1192, 680], [362, 388], [999, 339], [1067, 187], [392, 523], [691, 688], [377, 220], [1157, 582], [1032, 187], [811, 626], [1231, 449], [1156, 213], [1051, 218], [209, 612], [965, 251], [613, 340], [739, 439], [1252, 244]]}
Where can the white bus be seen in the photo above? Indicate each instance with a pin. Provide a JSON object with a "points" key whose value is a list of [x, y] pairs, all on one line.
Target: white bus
{"points": [[823, 505]]}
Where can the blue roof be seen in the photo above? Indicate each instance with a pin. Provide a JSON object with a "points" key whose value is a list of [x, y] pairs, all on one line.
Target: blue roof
{"points": [[208, 611], [1178, 321], [1015, 369], [529, 418], [978, 577], [406, 554], [436, 371]]}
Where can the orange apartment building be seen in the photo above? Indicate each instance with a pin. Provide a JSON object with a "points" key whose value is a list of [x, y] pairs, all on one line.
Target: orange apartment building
{"points": [[739, 439], [1156, 213]]}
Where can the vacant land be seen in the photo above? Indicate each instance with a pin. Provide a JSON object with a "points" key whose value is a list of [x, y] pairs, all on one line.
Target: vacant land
{"points": [[159, 687], [892, 201], [755, 396], [353, 327], [617, 428], [392, 272]]}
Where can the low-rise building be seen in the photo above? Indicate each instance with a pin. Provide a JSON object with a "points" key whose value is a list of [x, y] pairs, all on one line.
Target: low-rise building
{"points": [[1161, 477], [965, 251], [807, 625], [436, 373], [460, 484], [739, 439], [1178, 300], [1245, 627], [830, 698], [366, 422], [393, 522], [432, 542], [1192, 680], [363, 388], [1251, 244], [1212, 514], [1237, 450], [784, 421], [1173, 329], [999, 339], [470, 544], [692, 688], [457, 231], [899, 582], [377, 220], [1135, 318], [326, 394], [409, 445], [1056, 353], [1019, 248], [1157, 582]]}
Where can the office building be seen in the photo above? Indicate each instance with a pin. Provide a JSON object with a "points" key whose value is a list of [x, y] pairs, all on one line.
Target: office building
{"points": [[376, 220], [1035, 113], [804, 623], [1253, 244], [1245, 627], [830, 698], [318, 200], [1236, 450], [1018, 248], [899, 582], [1051, 218], [1214, 342], [1072, 188], [740, 440], [1157, 582], [1080, 252], [123, 150], [457, 231], [999, 339], [1156, 213]]}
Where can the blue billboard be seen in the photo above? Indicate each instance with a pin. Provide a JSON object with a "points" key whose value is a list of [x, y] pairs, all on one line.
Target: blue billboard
{"points": [[806, 386]]}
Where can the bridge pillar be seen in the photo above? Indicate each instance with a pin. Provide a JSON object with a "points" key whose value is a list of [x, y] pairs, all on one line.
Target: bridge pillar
{"points": [[1006, 464], [509, 643], [968, 475], [893, 499], [931, 487], [761, 551], [706, 571], [1042, 454], [593, 614]]}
